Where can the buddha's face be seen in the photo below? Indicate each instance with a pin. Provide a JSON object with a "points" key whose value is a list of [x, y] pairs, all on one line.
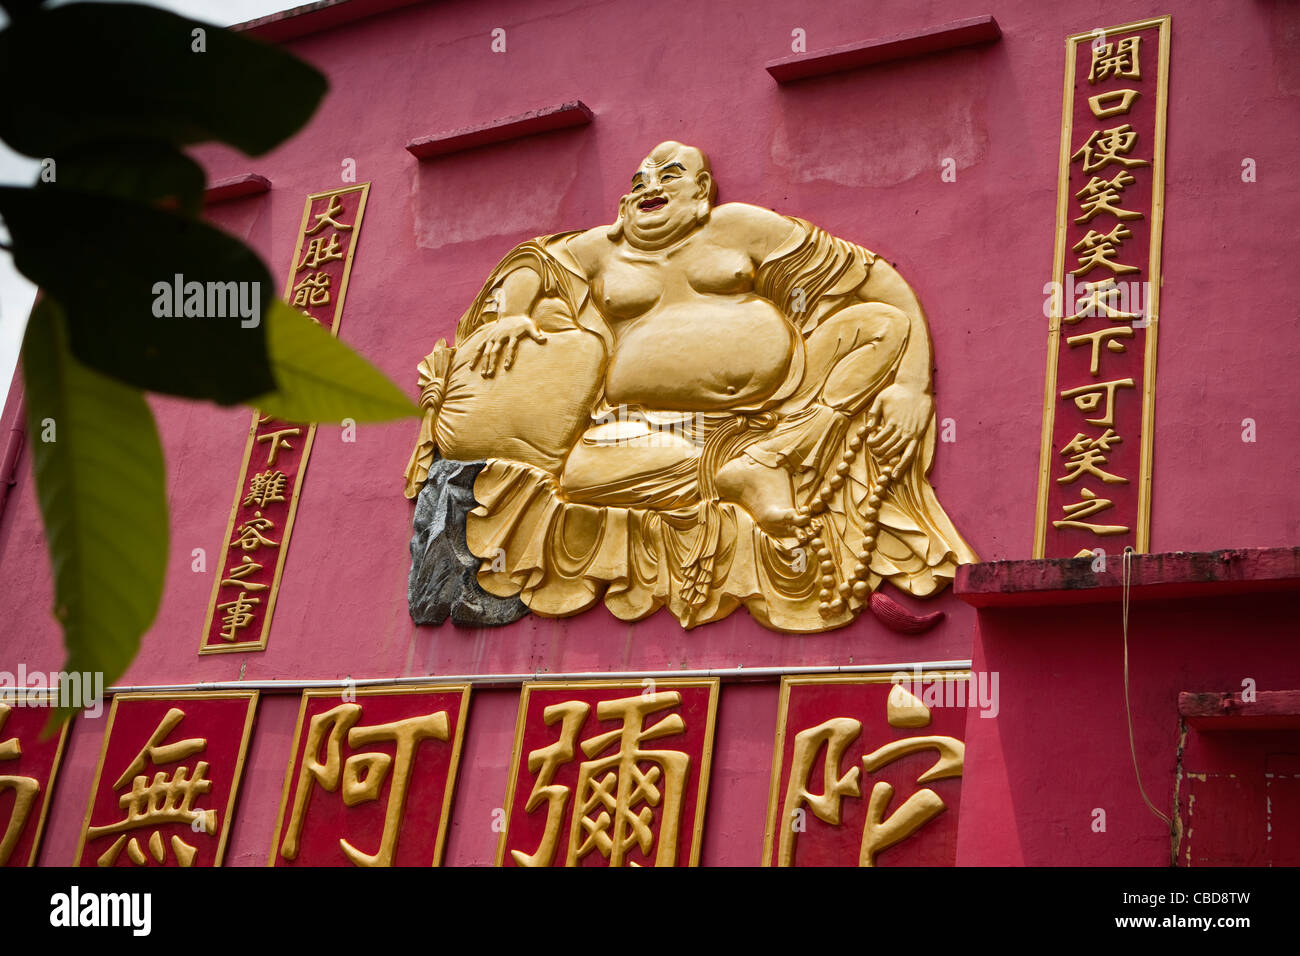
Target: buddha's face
{"points": [[669, 193]]}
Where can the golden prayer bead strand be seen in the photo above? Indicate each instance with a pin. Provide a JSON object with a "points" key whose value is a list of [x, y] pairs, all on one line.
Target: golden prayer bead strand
{"points": [[832, 598]]}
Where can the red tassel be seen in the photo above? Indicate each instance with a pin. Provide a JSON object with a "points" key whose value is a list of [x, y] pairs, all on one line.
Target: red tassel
{"points": [[897, 618]]}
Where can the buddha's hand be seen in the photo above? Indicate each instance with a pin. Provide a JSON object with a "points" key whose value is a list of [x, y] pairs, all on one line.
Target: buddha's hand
{"points": [[896, 422], [501, 345]]}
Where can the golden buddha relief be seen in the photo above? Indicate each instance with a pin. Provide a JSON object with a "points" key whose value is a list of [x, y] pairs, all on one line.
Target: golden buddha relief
{"points": [[697, 407]]}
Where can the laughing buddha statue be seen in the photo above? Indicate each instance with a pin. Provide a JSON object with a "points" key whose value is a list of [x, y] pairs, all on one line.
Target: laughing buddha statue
{"points": [[696, 407]]}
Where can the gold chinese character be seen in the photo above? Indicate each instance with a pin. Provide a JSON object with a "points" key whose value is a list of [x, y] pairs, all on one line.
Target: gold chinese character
{"points": [[362, 776], [611, 788], [239, 614], [1104, 298], [835, 734], [250, 536], [1102, 195], [1108, 146], [24, 788], [1085, 454], [1116, 59], [544, 762], [1089, 397], [880, 832], [1100, 249], [277, 441], [235, 576], [615, 799], [167, 799], [1125, 98], [320, 251], [313, 290], [1086, 508], [265, 488], [327, 218], [1108, 336]]}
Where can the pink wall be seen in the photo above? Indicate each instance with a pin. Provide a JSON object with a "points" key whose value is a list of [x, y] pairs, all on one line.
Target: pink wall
{"points": [[1058, 749], [858, 153]]}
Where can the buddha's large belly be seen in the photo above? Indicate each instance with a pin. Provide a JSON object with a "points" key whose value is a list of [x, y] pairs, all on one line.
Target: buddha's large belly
{"points": [[701, 355]]}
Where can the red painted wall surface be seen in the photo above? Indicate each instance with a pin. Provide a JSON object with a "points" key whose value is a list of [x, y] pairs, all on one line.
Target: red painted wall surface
{"points": [[858, 153], [1058, 750]]}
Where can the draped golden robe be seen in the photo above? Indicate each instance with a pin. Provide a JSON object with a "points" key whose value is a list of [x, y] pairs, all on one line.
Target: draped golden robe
{"points": [[662, 537]]}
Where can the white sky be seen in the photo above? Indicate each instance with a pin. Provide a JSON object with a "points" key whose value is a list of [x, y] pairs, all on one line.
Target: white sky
{"points": [[16, 293]]}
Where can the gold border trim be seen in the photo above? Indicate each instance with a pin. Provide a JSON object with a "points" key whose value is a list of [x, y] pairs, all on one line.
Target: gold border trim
{"points": [[449, 789], [1154, 276], [706, 761], [251, 696], [783, 713], [264, 631]]}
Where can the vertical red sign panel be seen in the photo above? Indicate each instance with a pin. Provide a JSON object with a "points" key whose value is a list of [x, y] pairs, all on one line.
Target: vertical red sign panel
{"points": [[28, 766], [609, 773], [867, 772], [1094, 488], [371, 777], [276, 453], [169, 770]]}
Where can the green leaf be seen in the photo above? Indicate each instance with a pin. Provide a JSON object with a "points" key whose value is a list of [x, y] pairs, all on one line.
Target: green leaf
{"points": [[87, 72], [322, 380], [150, 172], [101, 487], [112, 264]]}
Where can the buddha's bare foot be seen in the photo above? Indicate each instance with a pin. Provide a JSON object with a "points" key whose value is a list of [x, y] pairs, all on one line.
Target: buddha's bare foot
{"points": [[763, 491]]}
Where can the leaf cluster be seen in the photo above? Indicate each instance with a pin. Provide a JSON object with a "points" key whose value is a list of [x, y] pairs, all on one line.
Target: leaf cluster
{"points": [[109, 96]]}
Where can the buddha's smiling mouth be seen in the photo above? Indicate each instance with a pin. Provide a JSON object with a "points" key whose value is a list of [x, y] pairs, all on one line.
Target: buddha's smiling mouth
{"points": [[648, 204]]}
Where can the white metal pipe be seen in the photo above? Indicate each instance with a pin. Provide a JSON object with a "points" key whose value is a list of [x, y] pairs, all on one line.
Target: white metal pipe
{"points": [[497, 680]]}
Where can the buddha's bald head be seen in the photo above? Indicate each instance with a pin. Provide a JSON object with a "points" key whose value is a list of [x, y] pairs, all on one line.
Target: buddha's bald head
{"points": [[670, 152], [672, 193]]}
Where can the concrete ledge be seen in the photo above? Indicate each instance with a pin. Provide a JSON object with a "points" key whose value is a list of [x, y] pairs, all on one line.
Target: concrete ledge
{"points": [[1162, 576], [950, 36], [315, 17], [236, 187], [544, 120], [1270, 710]]}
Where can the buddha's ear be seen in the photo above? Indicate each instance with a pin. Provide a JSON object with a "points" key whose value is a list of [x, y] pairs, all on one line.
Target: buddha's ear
{"points": [[704, 196], [708, 188], [615, 231]]}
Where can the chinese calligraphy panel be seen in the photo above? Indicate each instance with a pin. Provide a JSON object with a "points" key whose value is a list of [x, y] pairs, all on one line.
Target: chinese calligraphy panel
{"points": [[609, 773], [867, 772], [169, 770], [276, 453], [28, 766], [371, 777], [1094, 486]]}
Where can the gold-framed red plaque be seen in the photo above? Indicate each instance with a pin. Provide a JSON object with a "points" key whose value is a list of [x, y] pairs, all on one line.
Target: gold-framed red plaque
{"points": [[167, 778], [609, 773], [276, 453], [866, 771], [28, 768], [1095, 459], [382, 793]]}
